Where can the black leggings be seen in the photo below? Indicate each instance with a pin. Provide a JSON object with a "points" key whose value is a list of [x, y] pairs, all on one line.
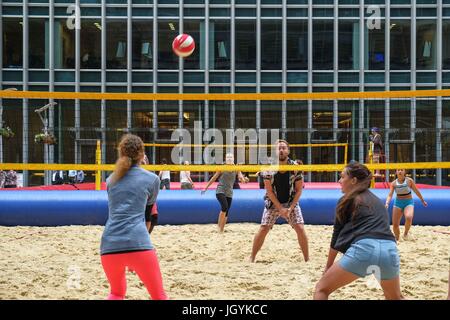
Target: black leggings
{"points": [[225, 203]]}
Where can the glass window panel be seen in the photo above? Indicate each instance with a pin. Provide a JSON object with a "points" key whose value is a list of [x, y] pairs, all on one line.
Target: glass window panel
{"points": [[90, 44], [142, 45], [64, 45], [38, 43], [196, 29], [426, 44], [245, 45], [323, 44], [167, 31], [219, 42], [12, 42], [375, 48], [348, 45], [297, 50], [116, 44]]}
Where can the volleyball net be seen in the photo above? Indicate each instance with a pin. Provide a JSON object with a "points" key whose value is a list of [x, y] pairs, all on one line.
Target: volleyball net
{"points": [[46, 131]]}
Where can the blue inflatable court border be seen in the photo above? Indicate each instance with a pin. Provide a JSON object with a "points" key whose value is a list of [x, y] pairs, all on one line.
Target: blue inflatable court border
{"points": [[177, 207]]}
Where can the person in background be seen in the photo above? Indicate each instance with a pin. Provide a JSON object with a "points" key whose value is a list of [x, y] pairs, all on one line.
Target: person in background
{"points": [[58, 177], [375, 138], [2, 178], [72, 176], [404, 202], [10, 179], [224, 190], [164, 176], [151, 209], [80, 176], [185, 179]]}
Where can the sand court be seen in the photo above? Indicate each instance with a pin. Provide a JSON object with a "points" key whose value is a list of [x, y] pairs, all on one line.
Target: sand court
{"points": [[198, 263]]}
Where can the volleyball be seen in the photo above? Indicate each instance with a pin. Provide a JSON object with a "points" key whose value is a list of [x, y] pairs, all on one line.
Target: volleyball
{"points": [[183, 45]]}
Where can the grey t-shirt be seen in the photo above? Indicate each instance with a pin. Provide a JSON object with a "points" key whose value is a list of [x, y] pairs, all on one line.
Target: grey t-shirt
{"points": [[125, 228], [226, 181]]}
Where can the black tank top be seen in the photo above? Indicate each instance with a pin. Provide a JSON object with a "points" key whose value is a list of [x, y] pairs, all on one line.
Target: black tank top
{"points": [[281, 181]]}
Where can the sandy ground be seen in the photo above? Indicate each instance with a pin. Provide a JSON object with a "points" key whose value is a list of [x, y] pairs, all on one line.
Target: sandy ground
{"points": [[199, 263]]}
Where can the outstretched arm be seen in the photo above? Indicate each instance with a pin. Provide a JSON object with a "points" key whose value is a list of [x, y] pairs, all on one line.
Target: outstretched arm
{"points": [[213, 178], [241, 177], [389, 197], [414, 188]]}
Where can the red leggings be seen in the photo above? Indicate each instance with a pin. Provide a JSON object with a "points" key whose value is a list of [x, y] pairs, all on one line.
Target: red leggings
{"points": [[144, 263]]}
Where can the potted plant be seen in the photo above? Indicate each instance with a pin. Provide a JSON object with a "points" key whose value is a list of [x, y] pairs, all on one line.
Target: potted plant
{"points": [[6, 132], [46, 138]]}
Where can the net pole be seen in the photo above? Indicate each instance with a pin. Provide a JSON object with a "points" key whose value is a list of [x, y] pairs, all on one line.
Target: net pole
{"points": [[98, 158]]}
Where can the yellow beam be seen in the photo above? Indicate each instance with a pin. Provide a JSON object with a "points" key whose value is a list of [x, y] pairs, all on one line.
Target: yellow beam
{"points": [[245, 168], [224, 96], [243, 145]]}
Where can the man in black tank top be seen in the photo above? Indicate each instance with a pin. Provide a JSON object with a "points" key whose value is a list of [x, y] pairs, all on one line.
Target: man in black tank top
{"points": [[283, 191]]}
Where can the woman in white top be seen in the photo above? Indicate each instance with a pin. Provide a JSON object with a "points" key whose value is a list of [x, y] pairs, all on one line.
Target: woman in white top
{"points": [[185, 178], [404, 203], [164, 176]]}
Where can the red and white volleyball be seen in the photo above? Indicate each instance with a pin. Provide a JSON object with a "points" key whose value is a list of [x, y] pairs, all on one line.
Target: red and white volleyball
{"points": [[183, 45]]}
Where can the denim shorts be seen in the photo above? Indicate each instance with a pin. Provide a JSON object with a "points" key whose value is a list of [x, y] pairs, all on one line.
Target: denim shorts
{"points": [[372, 256], [403, 203]]}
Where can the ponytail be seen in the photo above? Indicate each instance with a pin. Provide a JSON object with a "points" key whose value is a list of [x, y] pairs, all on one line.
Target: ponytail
{"points": [[123, 164], [131, 152]]}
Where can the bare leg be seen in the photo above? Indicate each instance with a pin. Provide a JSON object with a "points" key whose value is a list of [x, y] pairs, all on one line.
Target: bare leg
{"points": [[396, 217], [335, 278], [391, 289], [258, 241], [409, 215], [222, 221], [302, 240], [148, 224]]}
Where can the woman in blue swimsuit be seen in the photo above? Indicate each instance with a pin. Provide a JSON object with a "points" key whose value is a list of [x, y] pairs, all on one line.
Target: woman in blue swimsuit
{"points": [[404, 203]]}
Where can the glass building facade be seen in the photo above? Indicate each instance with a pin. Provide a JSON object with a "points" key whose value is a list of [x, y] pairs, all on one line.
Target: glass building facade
{"points": [[242, 46]]}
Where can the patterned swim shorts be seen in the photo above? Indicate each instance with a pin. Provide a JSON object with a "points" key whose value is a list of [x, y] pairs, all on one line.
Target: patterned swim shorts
{"points": [[271, 215]]}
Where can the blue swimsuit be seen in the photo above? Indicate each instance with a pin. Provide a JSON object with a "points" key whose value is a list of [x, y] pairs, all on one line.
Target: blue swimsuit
{"points": [[402, 189]]}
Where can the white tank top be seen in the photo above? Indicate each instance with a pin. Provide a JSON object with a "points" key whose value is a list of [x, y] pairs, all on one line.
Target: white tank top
{"points": [[165, 175], [402, 189], [184, 176]]}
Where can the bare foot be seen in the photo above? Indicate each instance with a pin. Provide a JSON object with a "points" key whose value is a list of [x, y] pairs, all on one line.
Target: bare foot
{"points": [[251, 259]]}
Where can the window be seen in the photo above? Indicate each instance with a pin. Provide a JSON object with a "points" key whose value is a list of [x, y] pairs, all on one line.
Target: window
{"points": [[375, 48], [116, 45], [400, 44], [64, 45], [271, 45], [167, 31], [426, 44], [90, 44], [297, 48], [323, 44], [38, 42], [219, 42], [348, 45], [142, 47], [245, 45], [12, 42]]}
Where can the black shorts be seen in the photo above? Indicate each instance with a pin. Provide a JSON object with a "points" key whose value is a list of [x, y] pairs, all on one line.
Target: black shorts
{"points": [[225, 202]]}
